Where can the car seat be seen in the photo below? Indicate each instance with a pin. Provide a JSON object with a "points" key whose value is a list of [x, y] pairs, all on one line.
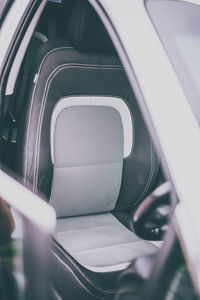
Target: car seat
{"points": [[82, 143]]}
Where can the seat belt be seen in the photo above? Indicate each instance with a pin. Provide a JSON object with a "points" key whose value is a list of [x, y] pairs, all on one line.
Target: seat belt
{"points": [[17, 102], [11, 113], [13, 110]]}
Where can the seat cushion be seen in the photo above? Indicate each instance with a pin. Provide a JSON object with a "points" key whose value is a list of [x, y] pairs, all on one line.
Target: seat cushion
{"points": [[100, 242]]}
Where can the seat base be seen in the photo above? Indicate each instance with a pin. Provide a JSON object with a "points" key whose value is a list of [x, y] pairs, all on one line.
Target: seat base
{"points": [[100, 242]]}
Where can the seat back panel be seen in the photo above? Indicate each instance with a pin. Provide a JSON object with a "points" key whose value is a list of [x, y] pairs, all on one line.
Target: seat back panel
{"points": [[88, 160]]}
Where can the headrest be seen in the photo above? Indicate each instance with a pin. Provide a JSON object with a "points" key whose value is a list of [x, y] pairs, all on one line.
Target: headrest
{"points": [[86, 31]]}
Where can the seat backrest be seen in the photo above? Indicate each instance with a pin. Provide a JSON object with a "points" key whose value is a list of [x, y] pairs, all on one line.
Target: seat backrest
{"points": [[82, 141], [87, 146]]}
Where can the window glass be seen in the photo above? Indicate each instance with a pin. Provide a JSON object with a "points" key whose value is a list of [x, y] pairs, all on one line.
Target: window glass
{"points": [[178, 25]]}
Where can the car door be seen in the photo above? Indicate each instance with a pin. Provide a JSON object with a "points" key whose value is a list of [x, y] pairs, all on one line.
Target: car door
{"points": [[166, 110]]}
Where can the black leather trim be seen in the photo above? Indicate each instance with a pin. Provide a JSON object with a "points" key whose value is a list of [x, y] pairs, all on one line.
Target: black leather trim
{"points": [[73, 280]]}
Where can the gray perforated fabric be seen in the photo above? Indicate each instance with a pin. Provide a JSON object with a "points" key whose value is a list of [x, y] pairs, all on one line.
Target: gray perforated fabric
{"points": [[101, 241], [88, 160]]}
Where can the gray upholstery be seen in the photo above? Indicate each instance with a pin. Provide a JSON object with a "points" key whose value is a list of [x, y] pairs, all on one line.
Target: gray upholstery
{"points": [[100, 242], [88, 160]]}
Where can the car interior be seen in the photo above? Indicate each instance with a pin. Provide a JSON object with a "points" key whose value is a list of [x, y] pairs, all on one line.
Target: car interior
{"points": [[73, 134]]}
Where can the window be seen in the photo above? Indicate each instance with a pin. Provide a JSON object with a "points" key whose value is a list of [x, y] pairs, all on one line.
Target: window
{"points": [[181, 38]]}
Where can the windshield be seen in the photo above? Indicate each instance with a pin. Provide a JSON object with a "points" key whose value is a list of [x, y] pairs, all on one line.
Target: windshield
{"points": [[178, 24]]}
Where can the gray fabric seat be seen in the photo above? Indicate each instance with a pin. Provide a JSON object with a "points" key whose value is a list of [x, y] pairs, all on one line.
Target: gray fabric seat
{"points": [[100, 242], [88, 149]]}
